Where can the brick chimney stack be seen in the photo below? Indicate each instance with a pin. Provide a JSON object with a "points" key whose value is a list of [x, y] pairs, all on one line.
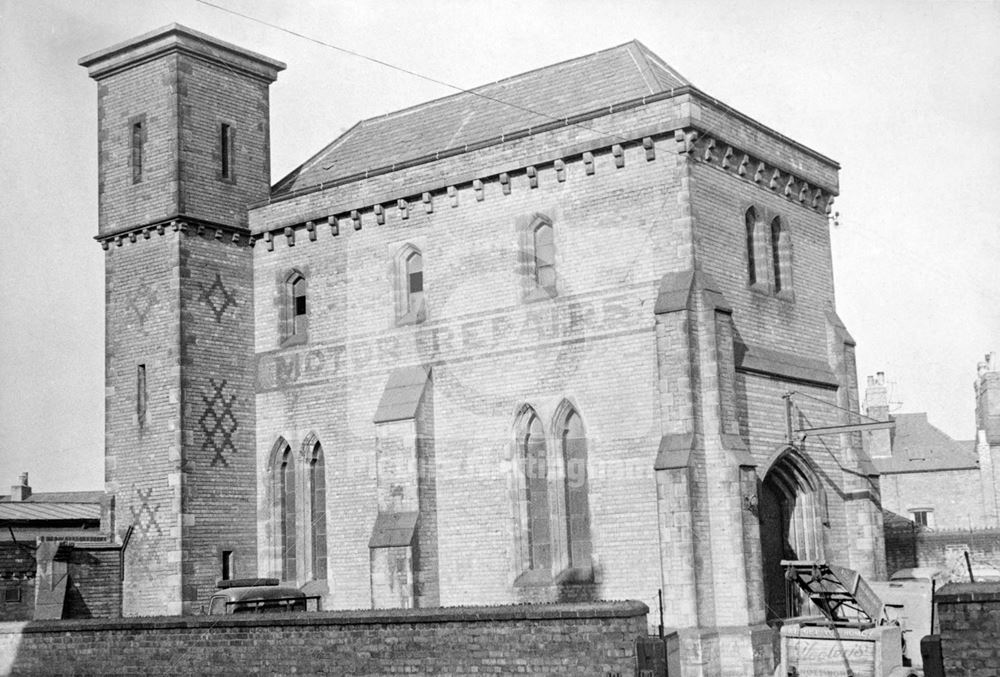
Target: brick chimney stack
{"points": [[20, 491], [987, 386], [877, 442]]}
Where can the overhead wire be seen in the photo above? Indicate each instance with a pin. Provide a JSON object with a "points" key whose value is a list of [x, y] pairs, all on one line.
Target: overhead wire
{"points": [[407, 71]]}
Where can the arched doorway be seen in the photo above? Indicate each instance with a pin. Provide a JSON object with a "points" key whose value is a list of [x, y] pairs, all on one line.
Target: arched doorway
{"points": [[791, 516]]}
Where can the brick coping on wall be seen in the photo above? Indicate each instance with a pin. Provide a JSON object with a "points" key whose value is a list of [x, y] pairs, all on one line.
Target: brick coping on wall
{"points": [[460, 614], [965, 593]]}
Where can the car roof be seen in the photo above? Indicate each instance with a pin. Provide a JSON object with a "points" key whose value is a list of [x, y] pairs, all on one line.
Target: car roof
{"points": [[258, 592], [916, 572]]}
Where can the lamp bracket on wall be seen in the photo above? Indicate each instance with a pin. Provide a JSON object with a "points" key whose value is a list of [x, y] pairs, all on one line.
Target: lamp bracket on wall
{"points": [[797, 435]]}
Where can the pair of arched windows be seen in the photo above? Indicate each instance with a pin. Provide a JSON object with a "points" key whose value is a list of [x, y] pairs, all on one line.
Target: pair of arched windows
{"points": [[299, 524], [553, 499], [768, 252]]}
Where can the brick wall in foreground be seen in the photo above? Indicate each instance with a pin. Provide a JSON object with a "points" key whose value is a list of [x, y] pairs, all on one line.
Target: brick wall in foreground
{"points": [[969, 618], [591, 639]]}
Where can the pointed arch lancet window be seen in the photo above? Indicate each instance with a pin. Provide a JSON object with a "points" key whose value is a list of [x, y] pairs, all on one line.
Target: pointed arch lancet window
{"points": [[538, 538], [574, 452], [317, 509], [545, 256], [776, 257], [750, 219], [299, 305], [285, 478]]}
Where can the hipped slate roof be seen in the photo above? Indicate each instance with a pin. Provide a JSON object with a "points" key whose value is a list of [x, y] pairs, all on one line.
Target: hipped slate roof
{"points": [[563, 90], [918, 446]]}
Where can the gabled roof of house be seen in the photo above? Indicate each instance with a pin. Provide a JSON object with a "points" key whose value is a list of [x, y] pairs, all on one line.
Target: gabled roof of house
{"points": [[918, 446], [563, 90]]}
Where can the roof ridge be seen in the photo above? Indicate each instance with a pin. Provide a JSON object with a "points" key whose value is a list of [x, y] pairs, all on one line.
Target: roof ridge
{"points": [[627, 67], [279, 185], [652, 59], [505, 80]]}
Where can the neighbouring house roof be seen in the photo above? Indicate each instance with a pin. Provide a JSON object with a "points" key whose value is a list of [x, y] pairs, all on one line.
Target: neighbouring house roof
{"points": [[30, 511], [557, 92], [61, 497], [918, 446]]}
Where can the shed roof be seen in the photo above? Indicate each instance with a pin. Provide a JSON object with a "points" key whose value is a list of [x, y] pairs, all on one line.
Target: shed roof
{"points": [[563, 90]]}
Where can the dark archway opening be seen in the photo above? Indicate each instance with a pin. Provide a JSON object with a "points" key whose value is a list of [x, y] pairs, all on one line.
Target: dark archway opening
{"points": [[790, 529]]}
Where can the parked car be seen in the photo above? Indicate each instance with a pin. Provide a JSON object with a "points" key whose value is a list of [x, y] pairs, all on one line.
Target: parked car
{"points": [[921, 574], [257, 595]]}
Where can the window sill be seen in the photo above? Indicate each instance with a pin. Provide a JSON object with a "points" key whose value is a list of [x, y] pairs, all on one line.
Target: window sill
{"points": [[295, 340], [575, 575], [412, 317], [536, 294], [533, 578], [786, 295]]}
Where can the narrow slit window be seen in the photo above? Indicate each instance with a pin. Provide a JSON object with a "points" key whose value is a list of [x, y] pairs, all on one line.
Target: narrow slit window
{"points": [[228, 565], [141, 396], [138, 141], [226, 150]]}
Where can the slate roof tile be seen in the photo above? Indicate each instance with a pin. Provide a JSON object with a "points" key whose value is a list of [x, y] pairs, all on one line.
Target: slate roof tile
{"points": [[623, 73], [918, 446]]}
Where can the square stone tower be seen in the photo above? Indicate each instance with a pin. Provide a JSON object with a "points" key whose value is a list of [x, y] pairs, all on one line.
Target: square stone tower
{"points": [[183, 147]]}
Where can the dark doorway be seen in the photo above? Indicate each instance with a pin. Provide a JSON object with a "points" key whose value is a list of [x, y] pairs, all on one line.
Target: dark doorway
{"points": [[789, 530]]}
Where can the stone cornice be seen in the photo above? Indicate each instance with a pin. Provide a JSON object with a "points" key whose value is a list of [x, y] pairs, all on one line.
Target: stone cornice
{"points": [[710, 148], [692, 93], [175, 38], [178, 223], [471, 184], [689, 139]]}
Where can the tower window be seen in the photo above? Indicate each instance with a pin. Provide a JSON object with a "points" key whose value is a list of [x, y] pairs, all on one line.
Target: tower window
{"points": [[228, 565], [141, 399], [750, 219], [781, 255], [226, 147], [776, 253], [138, 141]]}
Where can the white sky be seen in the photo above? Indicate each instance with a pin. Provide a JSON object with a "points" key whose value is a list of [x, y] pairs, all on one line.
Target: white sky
{"points": [[905, 95]]}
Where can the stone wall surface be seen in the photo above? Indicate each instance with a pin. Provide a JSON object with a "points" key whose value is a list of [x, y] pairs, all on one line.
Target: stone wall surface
{"points": [[582, 639], [969, 619]]}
